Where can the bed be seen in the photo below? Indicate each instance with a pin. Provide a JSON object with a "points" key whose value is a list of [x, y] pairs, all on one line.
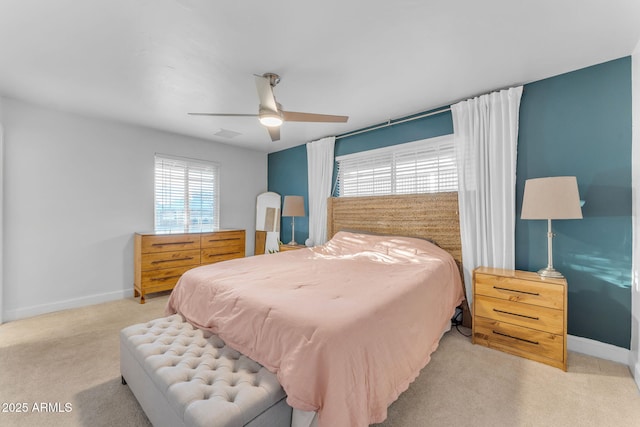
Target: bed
{"points": [[346, 326]]}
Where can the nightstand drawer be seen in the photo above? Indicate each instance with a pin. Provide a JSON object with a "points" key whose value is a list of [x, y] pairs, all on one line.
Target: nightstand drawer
{"points": [[530, 316], [518, 340], [284, 248], [521, 313], [525, 291]]}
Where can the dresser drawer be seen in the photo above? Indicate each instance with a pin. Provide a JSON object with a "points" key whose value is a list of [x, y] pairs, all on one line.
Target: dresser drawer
{"points": [[169, 242], [158, 260], [225, 247], [518, 340], [234, 238], [164, 278], [211, 255], [513, 289], [530, 316]]}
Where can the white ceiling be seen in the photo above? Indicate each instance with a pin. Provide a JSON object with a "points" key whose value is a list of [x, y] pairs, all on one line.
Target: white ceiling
{"points": [[149, 62]]}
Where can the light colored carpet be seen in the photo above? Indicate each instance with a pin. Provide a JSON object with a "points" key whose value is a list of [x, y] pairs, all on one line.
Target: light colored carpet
{"points": [[73, 357]]}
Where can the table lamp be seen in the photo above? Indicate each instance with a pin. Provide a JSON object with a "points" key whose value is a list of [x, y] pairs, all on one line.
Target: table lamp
{"points": [[293, 207], [551, 198]]}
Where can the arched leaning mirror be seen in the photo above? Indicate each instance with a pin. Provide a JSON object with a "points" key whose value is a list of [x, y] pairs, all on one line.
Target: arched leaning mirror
{"points": [[267, 223]]}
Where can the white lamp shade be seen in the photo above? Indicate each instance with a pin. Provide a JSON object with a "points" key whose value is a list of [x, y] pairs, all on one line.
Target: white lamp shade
{"points": [[293, 206], [551, 198]]}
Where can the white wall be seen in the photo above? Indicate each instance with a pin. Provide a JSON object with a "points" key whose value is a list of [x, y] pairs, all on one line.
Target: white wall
{"points": [[75, 191], [634, 362]]}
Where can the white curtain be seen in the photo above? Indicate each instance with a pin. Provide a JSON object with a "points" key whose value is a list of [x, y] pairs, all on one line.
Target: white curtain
{"points": [[486, 138], [320, 172]]}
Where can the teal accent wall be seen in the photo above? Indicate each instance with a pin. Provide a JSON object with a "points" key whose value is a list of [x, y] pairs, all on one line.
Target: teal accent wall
{"points": [[426, 127], [577, 123], [287, 176]]}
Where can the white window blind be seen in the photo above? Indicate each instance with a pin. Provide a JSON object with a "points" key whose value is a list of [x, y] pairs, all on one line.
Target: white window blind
{"points": [[425, 166], [186, 194]]}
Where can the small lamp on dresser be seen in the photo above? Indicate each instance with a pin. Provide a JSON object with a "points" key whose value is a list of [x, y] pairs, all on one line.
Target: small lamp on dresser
{"points": [[551, 198], [293, 207]]}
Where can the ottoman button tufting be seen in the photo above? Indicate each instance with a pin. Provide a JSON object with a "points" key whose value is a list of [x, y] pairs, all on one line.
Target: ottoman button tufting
{"points": [[197, 379]]}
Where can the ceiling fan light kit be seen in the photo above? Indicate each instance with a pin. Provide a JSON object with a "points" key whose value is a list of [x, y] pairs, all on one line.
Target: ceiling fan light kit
{"points": [[270, 112], [270, 119]]}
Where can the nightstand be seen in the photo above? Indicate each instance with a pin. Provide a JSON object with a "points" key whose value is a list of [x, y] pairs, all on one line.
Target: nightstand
{"points": [[521, 313], [291, 247]]}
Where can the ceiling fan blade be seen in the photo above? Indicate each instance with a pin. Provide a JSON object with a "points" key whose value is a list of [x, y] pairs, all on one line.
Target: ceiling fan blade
{"points": [[222, 115], [274, 133], [293, 116], [265, 93]]}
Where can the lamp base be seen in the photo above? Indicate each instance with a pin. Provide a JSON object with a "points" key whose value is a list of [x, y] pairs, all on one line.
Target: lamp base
{"points": [[550, 272]]}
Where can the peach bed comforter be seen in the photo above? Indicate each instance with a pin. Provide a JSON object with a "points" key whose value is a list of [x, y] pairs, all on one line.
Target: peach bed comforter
{"points": [[346, 326]]}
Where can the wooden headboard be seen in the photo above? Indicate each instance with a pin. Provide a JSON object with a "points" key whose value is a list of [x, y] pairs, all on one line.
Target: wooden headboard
{"points": [[433, 216]]}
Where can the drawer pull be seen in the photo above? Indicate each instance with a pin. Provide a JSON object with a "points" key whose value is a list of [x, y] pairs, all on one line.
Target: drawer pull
{"points": [[226, 253], [516, 338], [514, 290], [172, 243], [516, 314], [160, 279], [171, 260]]}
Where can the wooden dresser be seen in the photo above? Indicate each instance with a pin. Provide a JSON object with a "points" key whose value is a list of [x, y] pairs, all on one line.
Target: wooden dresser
{"points": [[519, 312], [160, 259]]}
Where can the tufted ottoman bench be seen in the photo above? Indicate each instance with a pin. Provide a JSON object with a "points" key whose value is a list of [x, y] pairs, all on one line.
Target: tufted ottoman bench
{"points": [[183, 376]]}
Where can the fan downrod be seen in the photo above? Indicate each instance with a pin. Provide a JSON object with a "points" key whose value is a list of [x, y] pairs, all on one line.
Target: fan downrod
{"points": [[274, 79]]}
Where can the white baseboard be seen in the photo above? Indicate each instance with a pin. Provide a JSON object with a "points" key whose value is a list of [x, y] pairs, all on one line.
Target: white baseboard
{"points": [[598, 349], [36, 310]]}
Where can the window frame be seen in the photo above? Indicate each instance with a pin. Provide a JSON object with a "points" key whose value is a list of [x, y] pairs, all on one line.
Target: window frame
{"points": [[391, 156], [196, 166]]}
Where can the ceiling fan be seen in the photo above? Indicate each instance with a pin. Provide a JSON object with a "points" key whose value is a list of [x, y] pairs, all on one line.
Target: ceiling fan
{"points": [[270, 112]]}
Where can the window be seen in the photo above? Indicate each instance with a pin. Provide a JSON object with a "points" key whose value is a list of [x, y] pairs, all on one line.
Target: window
{"points": [[425, 166], [186, 194]]}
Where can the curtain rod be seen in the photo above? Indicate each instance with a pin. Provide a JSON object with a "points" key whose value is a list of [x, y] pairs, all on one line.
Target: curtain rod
{"points": [[433, 113], [391, 123]]}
